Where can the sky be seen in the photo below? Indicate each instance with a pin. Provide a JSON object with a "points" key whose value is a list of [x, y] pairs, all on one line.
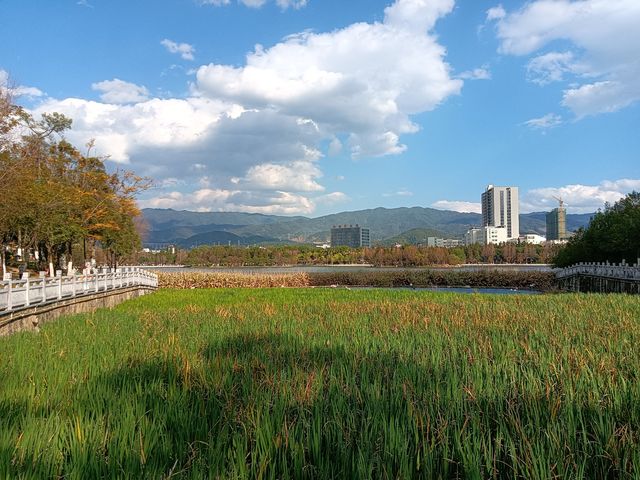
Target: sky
{"points": [[310, 107]]}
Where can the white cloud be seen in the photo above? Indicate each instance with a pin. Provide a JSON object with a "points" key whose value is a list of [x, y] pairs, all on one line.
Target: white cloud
{"points": [[185, 50], [332, 198], [210, 200], [579, 198], [550, 120], [550, 67], [299, 176], [496, 13], [476, 74], [605, 41], [400, 193], [295, 4], [351, 81], [458, 206], [253, 137], [284, 4], [120, 92], [19, 90]]}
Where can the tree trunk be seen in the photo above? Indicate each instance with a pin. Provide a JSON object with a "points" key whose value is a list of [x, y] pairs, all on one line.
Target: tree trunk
{"points": [[49, 254], [4, 263], [70, 264]]}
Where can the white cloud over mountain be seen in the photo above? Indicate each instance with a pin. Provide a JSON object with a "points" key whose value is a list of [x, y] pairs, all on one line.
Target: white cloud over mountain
{"points": [[458, 206], [603, 53], [252, 138], [579, 198]]}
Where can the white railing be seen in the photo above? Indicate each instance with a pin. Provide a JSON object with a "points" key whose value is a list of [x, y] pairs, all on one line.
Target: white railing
{"points": [[619, 272], [28, 291]]}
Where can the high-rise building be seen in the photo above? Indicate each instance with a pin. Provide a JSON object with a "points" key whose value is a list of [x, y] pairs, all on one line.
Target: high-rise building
{"points": [[353, 236], [557, 224], [501, 208]]}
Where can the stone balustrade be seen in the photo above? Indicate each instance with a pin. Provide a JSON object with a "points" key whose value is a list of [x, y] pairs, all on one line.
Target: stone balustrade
{"points": [[29, 291]]}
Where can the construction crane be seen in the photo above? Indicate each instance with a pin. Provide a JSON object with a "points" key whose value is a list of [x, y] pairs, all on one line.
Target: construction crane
{"points": [[560, 201]]}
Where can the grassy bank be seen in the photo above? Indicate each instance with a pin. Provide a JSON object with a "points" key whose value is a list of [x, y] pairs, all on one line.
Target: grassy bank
{"points": [[543, 281], [288, 383]]}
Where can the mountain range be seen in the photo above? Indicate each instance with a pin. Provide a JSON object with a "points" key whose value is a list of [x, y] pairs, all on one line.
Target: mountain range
{"points": [[189, 229]]}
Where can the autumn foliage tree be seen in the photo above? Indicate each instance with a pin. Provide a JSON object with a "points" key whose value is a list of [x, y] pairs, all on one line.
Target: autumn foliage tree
{"points": [[54, 197]]}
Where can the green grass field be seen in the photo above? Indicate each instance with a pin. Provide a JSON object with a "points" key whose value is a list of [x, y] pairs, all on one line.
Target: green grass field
{"points": [[325, 383]]}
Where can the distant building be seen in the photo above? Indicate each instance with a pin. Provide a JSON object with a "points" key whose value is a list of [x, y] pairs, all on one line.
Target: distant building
{"points": [[486, 235], [494, 235], [473, 235], [501, 208], [533, 238], [443, 242], [557, 224], [353, 236]]}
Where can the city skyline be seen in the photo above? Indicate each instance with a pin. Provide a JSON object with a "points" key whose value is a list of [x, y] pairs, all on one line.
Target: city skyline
{"points": [[302, 107]]}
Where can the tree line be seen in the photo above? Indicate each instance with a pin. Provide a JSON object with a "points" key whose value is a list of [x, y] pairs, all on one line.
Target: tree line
{"points": [[613, 235], [56, 200], [405, 256]]}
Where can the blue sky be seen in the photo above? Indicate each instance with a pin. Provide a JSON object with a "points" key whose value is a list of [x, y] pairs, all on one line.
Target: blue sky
{"points": [[318, 106]]}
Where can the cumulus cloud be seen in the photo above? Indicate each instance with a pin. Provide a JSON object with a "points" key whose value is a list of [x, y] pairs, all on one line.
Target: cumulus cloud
{"points": [[17, 90], [549, 120], [252, 137], [350, 81], [120, 92], [603, 58], [458, 206], [219, 200], [185, 50], [579, 198]]}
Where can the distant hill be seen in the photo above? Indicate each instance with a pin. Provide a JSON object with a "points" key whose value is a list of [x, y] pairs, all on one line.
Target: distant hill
{"points": [[413, 237], [386, 224], [223, 238]]}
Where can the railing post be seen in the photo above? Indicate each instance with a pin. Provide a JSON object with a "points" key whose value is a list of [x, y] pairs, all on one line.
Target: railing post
{"points": [[7, 278], [43, 282], [59, 277], [27, 300], [95, 272], [73, 284]]}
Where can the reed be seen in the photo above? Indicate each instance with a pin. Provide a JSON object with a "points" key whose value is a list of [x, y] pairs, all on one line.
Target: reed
{"points": [[325, 383], [190, 280], [541, 281]]}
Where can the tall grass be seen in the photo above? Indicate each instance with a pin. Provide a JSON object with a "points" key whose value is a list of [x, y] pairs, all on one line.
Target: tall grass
{"points": [[306, 383], [231, 280], [543, 281]]}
